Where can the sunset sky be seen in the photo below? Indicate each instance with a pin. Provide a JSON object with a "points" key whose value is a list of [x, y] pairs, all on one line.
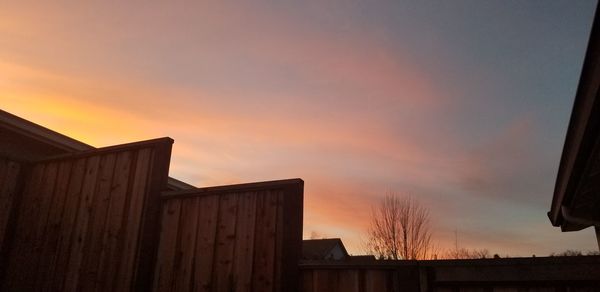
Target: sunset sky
{"points": [[461, 104]]}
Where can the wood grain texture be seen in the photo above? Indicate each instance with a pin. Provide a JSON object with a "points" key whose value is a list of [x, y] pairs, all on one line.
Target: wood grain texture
{"points": [[95, 231], [164, 275], [205, 243], [264, 253], [223, 261], [79, 218], [244, 244], [113, 236], [186, 245], [65, 234], [134, 209], [48, 256], [237, 237]]}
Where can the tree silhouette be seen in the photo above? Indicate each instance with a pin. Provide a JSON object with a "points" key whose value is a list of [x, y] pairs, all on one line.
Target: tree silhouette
{"points": [[400, 229]]}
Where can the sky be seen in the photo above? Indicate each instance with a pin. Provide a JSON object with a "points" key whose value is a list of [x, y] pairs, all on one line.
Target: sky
{"points": [[463, 105]]}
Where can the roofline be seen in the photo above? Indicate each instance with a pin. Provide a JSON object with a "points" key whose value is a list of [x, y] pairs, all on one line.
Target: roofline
{"points": [[42, 134], [60, 141], [582, 130], [333, 239]]}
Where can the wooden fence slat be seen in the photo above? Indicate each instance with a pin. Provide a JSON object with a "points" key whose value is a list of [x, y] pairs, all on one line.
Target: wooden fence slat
{"points": [[5, 198], [167, 249], [23, 241], [264, 253], [325, 280], [348, 281], [113, 234], [307, 281], [48, 255], [9, 174], [223, 262], [375, 281], [3, 170], [279, 240], [80, 231], [65, 235], [134, 210], [93, 240], [244, 244], [186, 245], [205, 243], [42, 203]]}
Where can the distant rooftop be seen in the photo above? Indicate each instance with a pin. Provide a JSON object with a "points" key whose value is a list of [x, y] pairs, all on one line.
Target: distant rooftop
{"points": [[319, 249]]}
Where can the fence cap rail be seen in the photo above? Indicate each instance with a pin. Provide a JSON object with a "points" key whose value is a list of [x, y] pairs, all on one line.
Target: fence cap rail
{"points": [[245, 187], [390, 264]]}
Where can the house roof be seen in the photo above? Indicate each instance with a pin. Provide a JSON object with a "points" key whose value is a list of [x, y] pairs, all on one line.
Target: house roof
{"points": [[314, 249], [27, 141], [576, 200]]}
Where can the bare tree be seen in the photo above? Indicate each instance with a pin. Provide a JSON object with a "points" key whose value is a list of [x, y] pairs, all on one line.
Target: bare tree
{"points": [[400, 229]]}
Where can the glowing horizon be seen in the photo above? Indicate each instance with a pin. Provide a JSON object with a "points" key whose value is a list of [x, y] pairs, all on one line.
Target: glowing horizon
{"points": [[463, 106]]}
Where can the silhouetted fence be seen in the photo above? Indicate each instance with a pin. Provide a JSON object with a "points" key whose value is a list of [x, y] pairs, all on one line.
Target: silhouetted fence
{"points": [[232, 238], [100, 220], [87, 221], [516, 274]]}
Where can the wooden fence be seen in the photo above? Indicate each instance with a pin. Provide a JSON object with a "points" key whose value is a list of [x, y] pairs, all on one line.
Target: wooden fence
{"points": [[509, 275], [87, 221], [100, 220], [233, 238]]}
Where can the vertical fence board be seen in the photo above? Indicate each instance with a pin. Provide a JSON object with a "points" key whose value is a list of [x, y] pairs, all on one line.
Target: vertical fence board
{"points": [[51, 239], [348, 280], [113, 235], [9, 174], [307, 281], [186, 244], [134, 213], [23, 241], [244, 244], [279, 242], [65, 238], [42, 203], [325, 280], [264, 253], [164, 275], [81, 224], [5, 197], [95, 231], [222, 276], [205, 243], [375, 281]]}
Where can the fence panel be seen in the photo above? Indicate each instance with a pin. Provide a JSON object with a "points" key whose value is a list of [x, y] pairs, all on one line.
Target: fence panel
{"points": [[513, 274], [87, 221], [231, 238]]}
